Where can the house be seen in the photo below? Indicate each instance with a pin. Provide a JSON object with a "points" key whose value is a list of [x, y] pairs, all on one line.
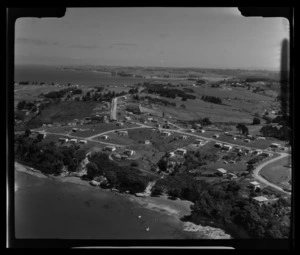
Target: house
{"points": [[232, 176], [94, 183], [105, 137], [218, 145], [127, 118], [192, 130], [122, 133], [147, 142], [120, 124], [110, 148], [171, 154], [227, 147], [129, 152], [124, 157], [180, 152], [166, 134], [74, 129], [216, 136], [83, 141], [260, 138], [234, 138], [274, 145], [221, 171], [73, 140], [202, 131], [184, 137], [62, 139], [254, 185], [247, 140], [237, 149], [257, 152], [260, 200]]}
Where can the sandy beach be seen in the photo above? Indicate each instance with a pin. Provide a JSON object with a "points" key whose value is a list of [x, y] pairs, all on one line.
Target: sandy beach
{"points": [[175, 208]]}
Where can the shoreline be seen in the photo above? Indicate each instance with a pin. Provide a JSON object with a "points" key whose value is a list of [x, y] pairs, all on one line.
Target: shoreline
{"points": [[173, 208]]}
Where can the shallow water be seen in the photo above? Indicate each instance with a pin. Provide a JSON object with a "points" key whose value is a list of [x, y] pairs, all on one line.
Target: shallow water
{"points": [[46, 208]]}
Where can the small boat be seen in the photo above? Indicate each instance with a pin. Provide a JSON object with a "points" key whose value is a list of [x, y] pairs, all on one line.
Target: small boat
{"points": [[147, 229]]}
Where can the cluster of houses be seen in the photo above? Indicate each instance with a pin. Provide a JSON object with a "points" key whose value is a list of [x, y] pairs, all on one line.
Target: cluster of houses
{"points": [[72, 140]]}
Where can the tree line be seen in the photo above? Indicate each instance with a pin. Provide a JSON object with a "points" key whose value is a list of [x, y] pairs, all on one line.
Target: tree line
{"points": [[212, 99]]}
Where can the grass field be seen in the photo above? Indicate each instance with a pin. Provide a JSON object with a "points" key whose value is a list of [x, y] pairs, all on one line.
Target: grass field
{"points": [[278, 173], [67, 111]]}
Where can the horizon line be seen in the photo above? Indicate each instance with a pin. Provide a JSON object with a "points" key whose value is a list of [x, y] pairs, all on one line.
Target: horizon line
{"points": [[161, 67]]}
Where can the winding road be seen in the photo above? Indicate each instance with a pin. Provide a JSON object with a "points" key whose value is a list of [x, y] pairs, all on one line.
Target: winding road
{"points": [[257, 176]]}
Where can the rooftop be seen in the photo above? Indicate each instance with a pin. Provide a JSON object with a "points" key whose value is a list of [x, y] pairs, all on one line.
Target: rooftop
{"points": [[260, 199]]}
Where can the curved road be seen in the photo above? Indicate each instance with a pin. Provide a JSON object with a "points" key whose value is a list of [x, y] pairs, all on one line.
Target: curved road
{"points": [[257, 176]]}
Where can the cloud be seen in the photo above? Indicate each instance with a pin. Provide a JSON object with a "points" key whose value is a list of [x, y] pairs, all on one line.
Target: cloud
{"points": [[78, 46], [34, 41]]}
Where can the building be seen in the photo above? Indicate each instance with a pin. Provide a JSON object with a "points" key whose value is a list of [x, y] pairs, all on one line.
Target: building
{"points": [[221, 172], [62, 139], [73, 140], [74, 129], [83, 141], [260, 200], [254, 185], [180, 152], [202, 131], [274, 145], [218, 145], [192, 130], [247, 140], [260, 138], [110, 148], [129, 152], [166, 134], [147, 142], [232, 176], [257, 152], [120, 124], [183, 137], [122, 133], [105, 137], [227, 147], [216, 136]]}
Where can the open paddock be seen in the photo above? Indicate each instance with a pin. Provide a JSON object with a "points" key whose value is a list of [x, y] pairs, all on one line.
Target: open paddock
{"points": [[278, 172], [95, 129]]}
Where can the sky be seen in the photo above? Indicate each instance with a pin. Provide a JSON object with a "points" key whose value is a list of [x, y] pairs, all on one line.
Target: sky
{"points": [[165, 37]]}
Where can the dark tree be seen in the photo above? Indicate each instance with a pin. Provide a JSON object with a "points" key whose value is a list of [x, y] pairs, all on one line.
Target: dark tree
{"points": [[256, 121]]}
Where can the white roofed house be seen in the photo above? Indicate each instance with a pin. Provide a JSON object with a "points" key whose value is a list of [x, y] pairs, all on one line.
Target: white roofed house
{"points": [[83, 141], [260, 200], [227, 147], [147, 142], [184, 137], [105, 137], [166, 134], [232, 176], [254, 185], [122, 133], [73, 140], [218, 145], [216, 136], [180, 152], [110, 148], [129, 152], [221, 172], [63, 139]]}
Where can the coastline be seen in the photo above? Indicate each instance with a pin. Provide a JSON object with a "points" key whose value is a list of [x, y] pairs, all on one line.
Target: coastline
{"points": [[174, 208]]}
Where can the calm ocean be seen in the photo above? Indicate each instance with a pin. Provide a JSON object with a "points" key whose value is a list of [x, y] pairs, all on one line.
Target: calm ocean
{"points": [[51, 74], [46, 208]]}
